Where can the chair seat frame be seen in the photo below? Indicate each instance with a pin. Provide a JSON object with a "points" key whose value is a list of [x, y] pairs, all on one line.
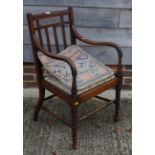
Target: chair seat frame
{"points": [[74, 100]]}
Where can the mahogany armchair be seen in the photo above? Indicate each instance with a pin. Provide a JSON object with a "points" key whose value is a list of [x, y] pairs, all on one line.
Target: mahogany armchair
{"points": [[74, 75]]}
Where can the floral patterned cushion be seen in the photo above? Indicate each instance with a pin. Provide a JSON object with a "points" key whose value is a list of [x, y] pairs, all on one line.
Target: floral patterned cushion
{"points": [[91, 72]]}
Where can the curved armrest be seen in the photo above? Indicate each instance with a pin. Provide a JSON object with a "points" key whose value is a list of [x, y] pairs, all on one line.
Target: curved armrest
{"points": [[111, 44], [65, 59]]}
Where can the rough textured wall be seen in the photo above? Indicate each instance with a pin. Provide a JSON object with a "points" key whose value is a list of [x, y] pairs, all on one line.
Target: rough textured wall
{"points": [[102, 20], [106, 20]]}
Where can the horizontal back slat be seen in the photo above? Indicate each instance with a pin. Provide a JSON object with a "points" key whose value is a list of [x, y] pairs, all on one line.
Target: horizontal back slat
{"points": [[49, 14]]}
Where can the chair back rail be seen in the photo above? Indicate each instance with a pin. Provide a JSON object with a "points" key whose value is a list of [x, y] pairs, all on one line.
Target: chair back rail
{"points": [[49, 26]]}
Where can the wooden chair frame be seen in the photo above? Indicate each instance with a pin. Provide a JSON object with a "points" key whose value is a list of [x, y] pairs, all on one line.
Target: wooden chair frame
{"points": [[73, 100]]}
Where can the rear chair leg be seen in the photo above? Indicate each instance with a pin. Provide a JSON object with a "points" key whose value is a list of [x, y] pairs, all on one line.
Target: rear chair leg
{"points": [[74, 112], [40, 103], [117, 103]]}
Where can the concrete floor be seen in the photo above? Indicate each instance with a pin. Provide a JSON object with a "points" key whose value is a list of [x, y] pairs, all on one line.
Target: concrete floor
{"points": [[97, 135]]}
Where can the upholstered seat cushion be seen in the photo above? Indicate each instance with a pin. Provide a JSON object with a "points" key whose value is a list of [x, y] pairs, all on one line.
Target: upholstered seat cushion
{"points": [[90, 72]]}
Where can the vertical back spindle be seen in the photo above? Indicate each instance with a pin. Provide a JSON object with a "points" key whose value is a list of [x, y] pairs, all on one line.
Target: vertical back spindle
{"points": [[56, 39], [48, 39], [63, 32], [71, 19], [39, 33]]}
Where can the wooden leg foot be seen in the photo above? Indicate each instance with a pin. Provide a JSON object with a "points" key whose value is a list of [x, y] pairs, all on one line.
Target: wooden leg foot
{"points": [[117, 103], [74, 127], [40, 103]]}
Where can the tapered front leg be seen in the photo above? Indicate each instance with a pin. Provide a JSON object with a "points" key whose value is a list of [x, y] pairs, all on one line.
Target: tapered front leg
{"points": [[74, 112], [40, 103], [117, 103]]}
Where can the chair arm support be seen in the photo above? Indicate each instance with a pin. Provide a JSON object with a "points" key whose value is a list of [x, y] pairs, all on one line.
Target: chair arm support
{"points": [[65, 59], [97, 43]]}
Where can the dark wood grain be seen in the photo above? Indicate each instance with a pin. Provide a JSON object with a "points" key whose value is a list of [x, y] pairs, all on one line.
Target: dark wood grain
{"points": [[56, 39], [73, 99]]}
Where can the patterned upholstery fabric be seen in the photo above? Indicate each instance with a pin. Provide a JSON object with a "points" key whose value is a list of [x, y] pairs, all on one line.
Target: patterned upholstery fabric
{"points": [[91, 72]]}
